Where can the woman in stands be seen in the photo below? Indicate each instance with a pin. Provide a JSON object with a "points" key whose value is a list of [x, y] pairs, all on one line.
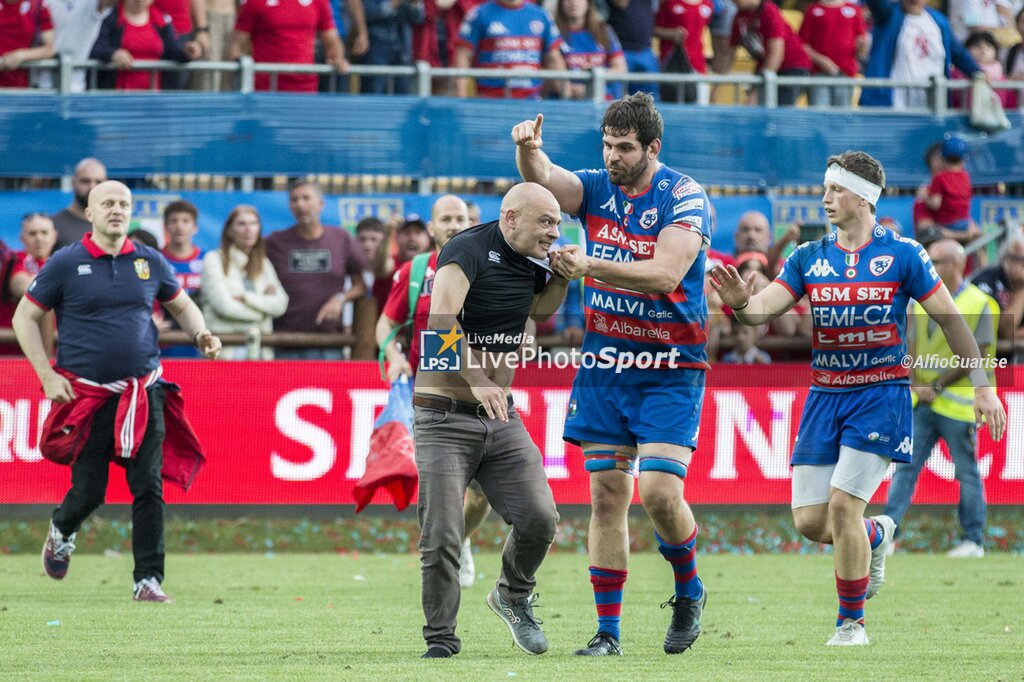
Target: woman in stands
{"points": [[138, 31], [591, 43], [240, 287]]}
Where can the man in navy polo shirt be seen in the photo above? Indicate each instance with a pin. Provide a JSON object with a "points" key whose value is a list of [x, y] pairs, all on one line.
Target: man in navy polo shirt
{"points": [[108, 364]]}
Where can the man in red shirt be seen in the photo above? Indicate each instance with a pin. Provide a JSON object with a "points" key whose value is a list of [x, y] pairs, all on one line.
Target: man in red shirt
{"points": [[19, 21], [448, 217], [284, 31], [760, 28], [835, 36]]}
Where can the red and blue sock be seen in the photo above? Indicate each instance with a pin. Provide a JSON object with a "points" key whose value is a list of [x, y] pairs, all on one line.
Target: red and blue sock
{"points": [[851, 599], [683, 558], [608, 584], [875, 532]]}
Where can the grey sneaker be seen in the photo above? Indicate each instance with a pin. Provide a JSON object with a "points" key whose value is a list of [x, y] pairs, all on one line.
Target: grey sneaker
{"points": [[518, 616], [57, 553], [876, 576]]}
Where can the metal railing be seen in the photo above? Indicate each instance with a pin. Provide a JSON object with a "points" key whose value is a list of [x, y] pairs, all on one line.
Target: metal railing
{"points": [[597, 80]]}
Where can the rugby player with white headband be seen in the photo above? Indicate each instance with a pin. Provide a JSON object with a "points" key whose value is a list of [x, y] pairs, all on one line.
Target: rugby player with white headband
{"points": [[858, 416]]}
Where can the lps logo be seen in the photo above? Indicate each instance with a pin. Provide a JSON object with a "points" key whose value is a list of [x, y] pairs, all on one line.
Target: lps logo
{"points": [[821, 268], [440, 351]]}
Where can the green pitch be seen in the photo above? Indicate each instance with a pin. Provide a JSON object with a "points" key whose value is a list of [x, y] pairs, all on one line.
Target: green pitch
{"points": [[342, 617]]}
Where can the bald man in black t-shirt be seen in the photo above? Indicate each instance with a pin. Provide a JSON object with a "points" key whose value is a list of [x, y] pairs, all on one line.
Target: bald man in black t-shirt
{"points": [[490, 280]]}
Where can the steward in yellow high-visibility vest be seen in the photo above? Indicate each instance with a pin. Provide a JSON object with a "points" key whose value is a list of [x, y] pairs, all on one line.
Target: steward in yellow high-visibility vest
{"points": [[943, 398]]}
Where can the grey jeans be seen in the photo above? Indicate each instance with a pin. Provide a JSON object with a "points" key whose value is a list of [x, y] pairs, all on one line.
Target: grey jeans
{"points": [[451, 450]]}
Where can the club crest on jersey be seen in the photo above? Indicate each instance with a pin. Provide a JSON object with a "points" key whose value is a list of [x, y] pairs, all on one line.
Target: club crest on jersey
{"points": [[141, 268], [649, 218], [536, 27], [880, 265], [821, 268]]}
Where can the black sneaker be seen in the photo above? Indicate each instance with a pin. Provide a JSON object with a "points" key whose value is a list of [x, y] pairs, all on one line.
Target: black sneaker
{"points": [[685, 626], [437, 652], [518, 616], [602, 644]]}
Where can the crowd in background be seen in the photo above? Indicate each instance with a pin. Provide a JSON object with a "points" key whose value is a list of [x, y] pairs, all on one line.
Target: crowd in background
{"points": [[310, 277], [904, 40]]}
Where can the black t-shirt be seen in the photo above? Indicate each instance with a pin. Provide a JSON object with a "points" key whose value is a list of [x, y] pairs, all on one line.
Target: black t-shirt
{"points": [[502, 284]]}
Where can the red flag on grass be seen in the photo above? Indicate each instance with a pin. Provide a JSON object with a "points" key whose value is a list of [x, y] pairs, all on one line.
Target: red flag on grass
{"points": [[391, 463]]}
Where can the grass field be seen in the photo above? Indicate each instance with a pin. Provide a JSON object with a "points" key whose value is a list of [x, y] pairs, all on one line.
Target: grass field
{"points": [[357, 616]]}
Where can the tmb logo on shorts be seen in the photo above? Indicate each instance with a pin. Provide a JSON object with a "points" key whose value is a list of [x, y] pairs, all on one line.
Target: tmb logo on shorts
{"points": [[440, 351]]}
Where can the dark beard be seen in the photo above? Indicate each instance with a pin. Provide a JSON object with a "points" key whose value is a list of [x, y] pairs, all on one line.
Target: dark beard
{"points": [[81, 202], [632, 174]]}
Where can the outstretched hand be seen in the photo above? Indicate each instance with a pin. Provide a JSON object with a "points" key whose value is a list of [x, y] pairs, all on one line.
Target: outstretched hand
{"points": [[988, 408], [527, 134], [730, 286]]}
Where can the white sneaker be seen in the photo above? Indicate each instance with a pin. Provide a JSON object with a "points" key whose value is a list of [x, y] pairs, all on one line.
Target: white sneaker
{"points": [[467, 569], [876, 576], [967, 549], [850, 633]]}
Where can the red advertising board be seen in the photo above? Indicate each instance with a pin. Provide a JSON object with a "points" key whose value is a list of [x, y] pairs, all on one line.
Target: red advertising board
{"points": [[298, 433]]}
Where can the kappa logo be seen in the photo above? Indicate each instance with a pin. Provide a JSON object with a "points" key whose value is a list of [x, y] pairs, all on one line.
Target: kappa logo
{"points": [[494, 256], [85, 269], [906, 446], [880, 265], [496, 28], [649, 218], [821, 268], [610, 206]]}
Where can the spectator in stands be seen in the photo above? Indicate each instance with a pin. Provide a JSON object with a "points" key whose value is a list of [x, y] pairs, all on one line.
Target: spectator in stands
{"points": [[1005, 283], [21, 23], [188, 17], [985, 50], [967, 17], [591, 42], [924, 217], [390, 24], [433, 41], [752, 233], [137, 30], [910, 42], [76, 24], [220, 22], [633, 23], [312, 262], [474, 212], [835, 38], [38, 236], [679, 27], [746, 352], [71, 223], [761, 29], [240, 286], [186, 259], [285, 33], [375, 239], [412, 238], [948, 196], [508, 34]]}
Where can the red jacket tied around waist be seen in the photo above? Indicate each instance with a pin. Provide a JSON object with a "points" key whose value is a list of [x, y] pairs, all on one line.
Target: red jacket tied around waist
{"points": [[68, 425]]}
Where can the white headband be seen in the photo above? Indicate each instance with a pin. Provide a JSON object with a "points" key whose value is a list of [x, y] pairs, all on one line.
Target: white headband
{"points": [[865, 189]]}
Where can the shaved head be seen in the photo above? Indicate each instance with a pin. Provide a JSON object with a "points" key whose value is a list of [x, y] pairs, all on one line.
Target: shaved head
{"points": [[529, 219], [448, 216]]}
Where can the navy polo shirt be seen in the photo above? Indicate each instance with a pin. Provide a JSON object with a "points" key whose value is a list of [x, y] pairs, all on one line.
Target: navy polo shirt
{"points": [[104, 306]]}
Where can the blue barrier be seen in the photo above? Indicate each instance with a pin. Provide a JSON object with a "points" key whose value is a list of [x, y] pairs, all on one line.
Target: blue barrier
{"points": [[267, 134]]}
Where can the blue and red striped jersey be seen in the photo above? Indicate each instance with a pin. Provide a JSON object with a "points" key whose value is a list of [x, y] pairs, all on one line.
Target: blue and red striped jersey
{"points": [[509, 38], [625, 228], [859, 306]]}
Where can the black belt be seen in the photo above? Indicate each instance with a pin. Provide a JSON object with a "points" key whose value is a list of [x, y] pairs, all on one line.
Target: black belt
{"points": [[446, 404]]}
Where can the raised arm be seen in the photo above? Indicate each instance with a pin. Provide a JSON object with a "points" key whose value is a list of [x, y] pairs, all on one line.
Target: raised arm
{"points": [[750, 308], [535, 166]]}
